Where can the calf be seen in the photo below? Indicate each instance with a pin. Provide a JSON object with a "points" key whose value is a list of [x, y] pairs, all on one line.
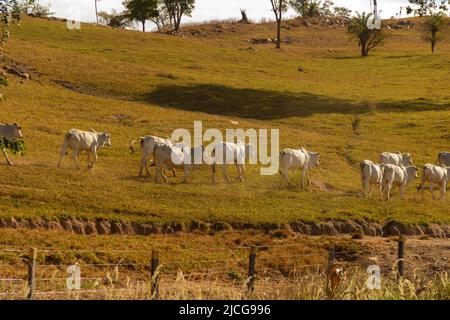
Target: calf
{"points": [[396, 158], [435, 175], [89, 141], [398, 175], [371, 174], [298, 159], [9, 131]]}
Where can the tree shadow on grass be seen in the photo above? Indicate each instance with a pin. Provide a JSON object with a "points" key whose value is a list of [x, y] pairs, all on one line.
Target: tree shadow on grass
{"points": [[269, 105]]}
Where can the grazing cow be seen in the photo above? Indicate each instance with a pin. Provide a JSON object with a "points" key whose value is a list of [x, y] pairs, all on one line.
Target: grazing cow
{"points": [[225, 153], [10, 131], [396, 158], [398, 175], [298, 159], [444, 159], [175, 156], [148, 144], [89, 141], [371, 174], [435, 175]]}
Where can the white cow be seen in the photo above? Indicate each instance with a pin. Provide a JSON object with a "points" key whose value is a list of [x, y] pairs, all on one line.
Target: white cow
{"points": [[148, 144], [89, 141], [444, 159], [396, 158], [398, 175], [10, 131], [225, 153], [434, 175], [371, 174], [298, 159], [175, 156]]}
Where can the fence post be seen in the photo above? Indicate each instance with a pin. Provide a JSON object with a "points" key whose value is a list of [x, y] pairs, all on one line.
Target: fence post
{"points": [[32, 254], [400, 256], [155, 277], [330, 257], [251, 269]]}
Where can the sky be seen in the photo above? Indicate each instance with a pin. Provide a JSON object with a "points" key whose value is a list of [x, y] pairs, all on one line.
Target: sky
{"points": [[211, 9]]}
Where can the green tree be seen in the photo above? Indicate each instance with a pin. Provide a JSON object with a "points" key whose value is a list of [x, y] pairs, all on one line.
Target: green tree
{"points": [[141, 10], [279, 7], [433, 28], [162, 20], [177, 9], [422, 7], [368, 38], [114, 19], [312, 8]]}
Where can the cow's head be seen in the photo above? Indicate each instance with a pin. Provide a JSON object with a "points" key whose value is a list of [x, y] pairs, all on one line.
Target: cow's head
{"points": [[104, 139], [314, 159], [407, 159]]}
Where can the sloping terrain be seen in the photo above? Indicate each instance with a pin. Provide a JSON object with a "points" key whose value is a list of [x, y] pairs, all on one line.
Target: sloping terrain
{"points": [[134, 84]]}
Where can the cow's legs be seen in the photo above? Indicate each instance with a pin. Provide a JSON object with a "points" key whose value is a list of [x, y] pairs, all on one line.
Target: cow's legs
{"points": [[443, 189], [143, 165], [431, 190], [75, 158], [380, 187], [240, 170], [213, 173], [224, 173], [95, 156], [6, 157], [365, 187], [88, 157], [284, 175], [402, 192], [186, 174], [304, 176]]}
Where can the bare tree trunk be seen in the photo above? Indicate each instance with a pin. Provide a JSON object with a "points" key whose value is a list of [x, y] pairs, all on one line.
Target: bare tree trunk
{"points": [[433, 42], [278, 34], [143, 25]]}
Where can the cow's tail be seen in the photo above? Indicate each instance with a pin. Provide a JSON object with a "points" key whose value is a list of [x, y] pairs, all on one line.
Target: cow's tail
{"points": [[362, 165], [66, 142], [133, 142], [424, 177], [282, 154]]}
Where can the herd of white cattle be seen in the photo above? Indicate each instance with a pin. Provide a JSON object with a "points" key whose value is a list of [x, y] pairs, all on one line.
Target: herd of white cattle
{"points": [[393, 169]]}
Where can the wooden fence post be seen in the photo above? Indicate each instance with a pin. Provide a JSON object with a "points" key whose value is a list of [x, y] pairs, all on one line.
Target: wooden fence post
{"points": [[155, 277], [32, 273], [251, 269], [400, 256], [331, 257]]}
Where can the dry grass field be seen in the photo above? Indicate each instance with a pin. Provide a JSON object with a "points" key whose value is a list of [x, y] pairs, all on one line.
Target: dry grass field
{"points": [[134, 84]]}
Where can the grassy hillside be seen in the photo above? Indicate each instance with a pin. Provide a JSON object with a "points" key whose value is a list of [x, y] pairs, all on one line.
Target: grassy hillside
{"points": [[134, 84]]}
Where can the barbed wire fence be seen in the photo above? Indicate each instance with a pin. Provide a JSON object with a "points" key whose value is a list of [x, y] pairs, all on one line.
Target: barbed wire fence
{"points": [[42, 273]]}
